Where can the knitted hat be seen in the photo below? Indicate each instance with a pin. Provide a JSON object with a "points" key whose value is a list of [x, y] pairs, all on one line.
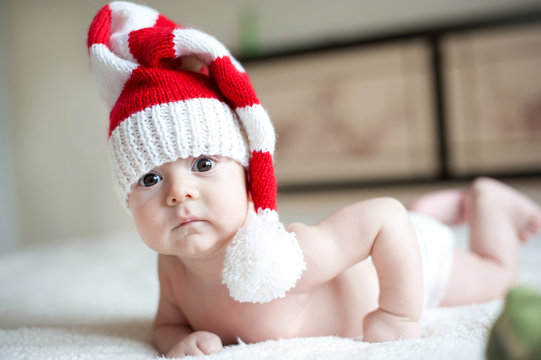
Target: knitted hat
{"points": [[174, 92]]}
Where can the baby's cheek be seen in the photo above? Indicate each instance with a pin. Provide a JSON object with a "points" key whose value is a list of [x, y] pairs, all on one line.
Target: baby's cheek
{"points": [[146, 230], [154, 243]]}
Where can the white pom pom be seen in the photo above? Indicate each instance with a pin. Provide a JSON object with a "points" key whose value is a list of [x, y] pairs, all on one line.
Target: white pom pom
{"points": [[263, 260]]}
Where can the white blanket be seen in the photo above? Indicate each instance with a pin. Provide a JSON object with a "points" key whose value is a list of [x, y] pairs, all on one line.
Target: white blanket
{"points": [[96, 298]]}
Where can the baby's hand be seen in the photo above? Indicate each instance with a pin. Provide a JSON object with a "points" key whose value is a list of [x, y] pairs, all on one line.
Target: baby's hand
{"points": [[197, 343], [380, 325]]}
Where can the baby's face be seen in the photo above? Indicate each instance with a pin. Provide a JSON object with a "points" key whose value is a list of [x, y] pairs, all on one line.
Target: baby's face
{"points": [[192, 207]]}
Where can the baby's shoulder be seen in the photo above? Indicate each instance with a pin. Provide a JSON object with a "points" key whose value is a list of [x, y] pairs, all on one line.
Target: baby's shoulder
{"points": [[296, 227], [302, 231], [309, 237]]}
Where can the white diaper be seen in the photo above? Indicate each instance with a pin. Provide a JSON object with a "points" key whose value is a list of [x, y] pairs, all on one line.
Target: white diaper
{"points": [[436, 241]]}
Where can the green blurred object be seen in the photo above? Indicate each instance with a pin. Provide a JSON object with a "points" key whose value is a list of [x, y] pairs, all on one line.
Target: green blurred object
{"points": [[516, 334], [249, 31]]}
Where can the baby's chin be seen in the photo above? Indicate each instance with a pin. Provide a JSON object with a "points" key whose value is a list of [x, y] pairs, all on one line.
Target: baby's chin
{"points": [[199, 247]]}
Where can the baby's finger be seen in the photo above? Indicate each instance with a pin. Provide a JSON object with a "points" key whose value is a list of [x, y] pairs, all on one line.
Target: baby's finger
{"points": [[209, 344], [183, 349], [187, 352]]}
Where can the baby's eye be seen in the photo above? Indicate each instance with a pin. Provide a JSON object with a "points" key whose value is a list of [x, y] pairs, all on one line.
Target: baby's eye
{"points": [[203, 164], [150, 179]]}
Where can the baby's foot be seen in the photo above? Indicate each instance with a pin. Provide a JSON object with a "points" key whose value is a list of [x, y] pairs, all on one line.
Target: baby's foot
{"points": [[532, 227], [524, 213], [447, 206]]}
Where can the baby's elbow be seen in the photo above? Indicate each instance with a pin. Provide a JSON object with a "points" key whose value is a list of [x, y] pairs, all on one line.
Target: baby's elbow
{"points": [[157, 343], [391, 208], [393, 216]]}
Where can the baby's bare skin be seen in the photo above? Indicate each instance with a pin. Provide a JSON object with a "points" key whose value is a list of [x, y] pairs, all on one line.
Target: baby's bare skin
{"points": [[333, 297], [335, 307], [340, 293]]}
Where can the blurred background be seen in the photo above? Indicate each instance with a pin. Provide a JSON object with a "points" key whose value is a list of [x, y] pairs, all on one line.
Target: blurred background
{"points": [[56, 180]]}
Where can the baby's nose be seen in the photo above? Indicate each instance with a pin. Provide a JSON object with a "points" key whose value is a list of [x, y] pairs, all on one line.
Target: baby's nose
{"points": [[181, 190]]}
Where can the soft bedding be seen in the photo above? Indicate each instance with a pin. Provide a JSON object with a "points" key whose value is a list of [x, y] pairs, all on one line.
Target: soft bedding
{"points": [[95, 298]]}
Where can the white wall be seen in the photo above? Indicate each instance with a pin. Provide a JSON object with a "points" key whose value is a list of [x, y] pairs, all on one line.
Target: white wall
{"points": [[57, 126], [8, 204]]}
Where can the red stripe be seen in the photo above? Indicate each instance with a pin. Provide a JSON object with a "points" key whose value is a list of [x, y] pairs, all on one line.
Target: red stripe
{"points": [[234, 85], [150, 46], [262, 181], [99, 30], [154, 46], [164, 22], [152, 86]]}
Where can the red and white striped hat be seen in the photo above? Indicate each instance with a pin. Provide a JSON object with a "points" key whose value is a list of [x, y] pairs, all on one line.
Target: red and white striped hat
{"points": [[174, 92]]}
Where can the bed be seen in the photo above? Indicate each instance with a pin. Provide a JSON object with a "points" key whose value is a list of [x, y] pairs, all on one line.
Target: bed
{"points": [[95, 298]]}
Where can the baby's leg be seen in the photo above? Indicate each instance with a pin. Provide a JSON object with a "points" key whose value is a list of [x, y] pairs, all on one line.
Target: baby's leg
{"points": [[447, 206], [499, 218]]}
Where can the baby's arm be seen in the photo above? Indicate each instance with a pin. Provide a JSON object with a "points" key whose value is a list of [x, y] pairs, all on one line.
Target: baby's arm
{"points": [[380, 228], [173, 336], [396, 256]]}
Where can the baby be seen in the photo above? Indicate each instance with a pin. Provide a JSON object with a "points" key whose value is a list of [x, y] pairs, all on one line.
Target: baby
{"points": [[191, 150]]}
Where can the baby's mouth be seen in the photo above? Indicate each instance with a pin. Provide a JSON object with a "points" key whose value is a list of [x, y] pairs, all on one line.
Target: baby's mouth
{"points": [[189, 222], [184, 222]]}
